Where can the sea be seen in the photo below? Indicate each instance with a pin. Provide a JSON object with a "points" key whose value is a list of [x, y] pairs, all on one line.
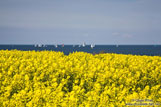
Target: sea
{"points": [[150, 50]]}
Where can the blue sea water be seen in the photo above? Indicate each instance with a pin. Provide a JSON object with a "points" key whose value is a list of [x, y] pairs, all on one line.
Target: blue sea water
{"points": [[151, 50]]}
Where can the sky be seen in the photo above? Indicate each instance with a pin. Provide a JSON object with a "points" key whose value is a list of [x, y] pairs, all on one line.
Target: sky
{"points": [[78, 21]]}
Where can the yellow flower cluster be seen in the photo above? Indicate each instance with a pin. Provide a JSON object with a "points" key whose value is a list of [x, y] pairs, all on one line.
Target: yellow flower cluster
{"points": [[48, 78]]}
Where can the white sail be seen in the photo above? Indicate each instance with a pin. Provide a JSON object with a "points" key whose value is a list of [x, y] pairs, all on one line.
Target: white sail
{"points": [[84, 44], [92, 46], [39, 45], [56, 46]]}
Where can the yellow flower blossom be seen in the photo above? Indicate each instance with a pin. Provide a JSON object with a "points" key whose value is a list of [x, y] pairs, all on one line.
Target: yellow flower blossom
{"points": [[52, 79]]}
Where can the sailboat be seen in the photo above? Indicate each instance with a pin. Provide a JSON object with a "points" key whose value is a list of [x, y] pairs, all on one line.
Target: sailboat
{"points": [[43, 45], [92, 46], [35, 45], [56, 46], [84, 44], [39, 45]]}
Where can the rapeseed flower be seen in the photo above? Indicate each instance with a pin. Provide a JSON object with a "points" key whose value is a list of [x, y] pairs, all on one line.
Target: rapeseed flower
{"points": [[51, 79]]}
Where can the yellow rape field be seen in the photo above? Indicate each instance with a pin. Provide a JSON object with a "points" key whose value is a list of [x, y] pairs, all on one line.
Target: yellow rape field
{"points": [[52, 79]]}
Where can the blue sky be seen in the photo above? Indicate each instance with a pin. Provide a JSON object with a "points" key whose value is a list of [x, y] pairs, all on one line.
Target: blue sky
{"points": [[78, 21]]}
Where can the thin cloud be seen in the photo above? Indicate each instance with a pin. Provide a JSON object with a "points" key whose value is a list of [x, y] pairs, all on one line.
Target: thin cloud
{"points": [[125, 35], [116, 34]]}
